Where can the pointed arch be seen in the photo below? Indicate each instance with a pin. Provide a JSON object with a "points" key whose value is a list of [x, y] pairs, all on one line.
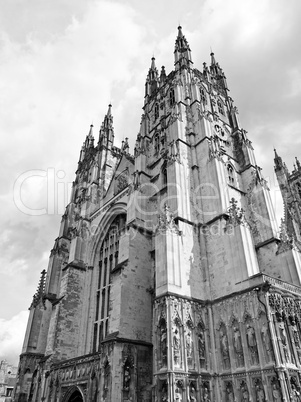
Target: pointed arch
{"points": [[74, 394]]}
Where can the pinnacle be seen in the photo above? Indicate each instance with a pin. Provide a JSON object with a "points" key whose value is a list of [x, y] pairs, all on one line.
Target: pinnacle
{"points": [[153, 65], [90, 135], [109, 110], [180, 33]]}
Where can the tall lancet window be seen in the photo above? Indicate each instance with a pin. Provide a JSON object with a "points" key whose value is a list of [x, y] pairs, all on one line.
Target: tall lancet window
{"points": [[172, 98], [220, 107], [107, 262], [156, 111], [203, 95], [231, 174]]}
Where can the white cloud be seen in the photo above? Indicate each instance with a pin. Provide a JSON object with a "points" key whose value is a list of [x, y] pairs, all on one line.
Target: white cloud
{"points": [[12, 334], [61, 64]]}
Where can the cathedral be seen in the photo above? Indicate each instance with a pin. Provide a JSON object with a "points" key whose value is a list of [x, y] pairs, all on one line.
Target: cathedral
{"points": [[169, 279]]}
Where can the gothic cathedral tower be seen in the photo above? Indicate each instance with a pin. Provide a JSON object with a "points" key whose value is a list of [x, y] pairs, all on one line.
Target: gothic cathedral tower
{"points": [[168, 280]]}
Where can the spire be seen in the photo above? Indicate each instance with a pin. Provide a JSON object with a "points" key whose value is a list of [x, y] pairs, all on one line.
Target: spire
{"points": [[182, 51], [278, 161], [152, 79], [298, 163], [106, 132], [180, 33]]}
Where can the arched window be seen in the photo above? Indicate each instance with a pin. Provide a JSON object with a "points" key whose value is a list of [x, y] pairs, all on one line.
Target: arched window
{"points": [[220, 107], [156, 111], [203, 95], [157, 143], [172, 98], [231, 174], [107, 262], [164, 176]]}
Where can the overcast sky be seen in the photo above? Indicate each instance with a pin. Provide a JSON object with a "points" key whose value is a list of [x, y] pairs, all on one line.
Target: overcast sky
{"points": [[62, 62]]}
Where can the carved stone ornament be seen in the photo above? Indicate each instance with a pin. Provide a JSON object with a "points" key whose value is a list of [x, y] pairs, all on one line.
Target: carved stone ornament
{"points": [[175, 114], [203, 113], [166, 222], [236, 214], [286, 241], [215, 150], [173, 151]]}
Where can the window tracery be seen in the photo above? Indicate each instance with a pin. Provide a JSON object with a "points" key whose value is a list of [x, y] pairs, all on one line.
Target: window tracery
{"points": [[107, 262]]}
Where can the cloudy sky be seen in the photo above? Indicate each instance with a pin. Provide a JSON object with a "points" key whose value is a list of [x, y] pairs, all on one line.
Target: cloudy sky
{"points": [[62, 62]]}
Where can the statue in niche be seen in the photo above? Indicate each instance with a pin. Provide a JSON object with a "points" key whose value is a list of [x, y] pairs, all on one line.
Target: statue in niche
{"points": [[276, 393], [260, 396], [224, 348], [229, 393], [163, 342], [178, 396], [176, 345], [126, 377], [201, 346], [189, 344], [295, 395], [252, 344], [266, 340], [244, 393], [283, 338], [206, 394], [164, 392], [238, 346], [192, 393], [296, 336]]}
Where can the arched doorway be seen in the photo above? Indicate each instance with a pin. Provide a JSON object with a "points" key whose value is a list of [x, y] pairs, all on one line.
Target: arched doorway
{"points": [[76, 397]]}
